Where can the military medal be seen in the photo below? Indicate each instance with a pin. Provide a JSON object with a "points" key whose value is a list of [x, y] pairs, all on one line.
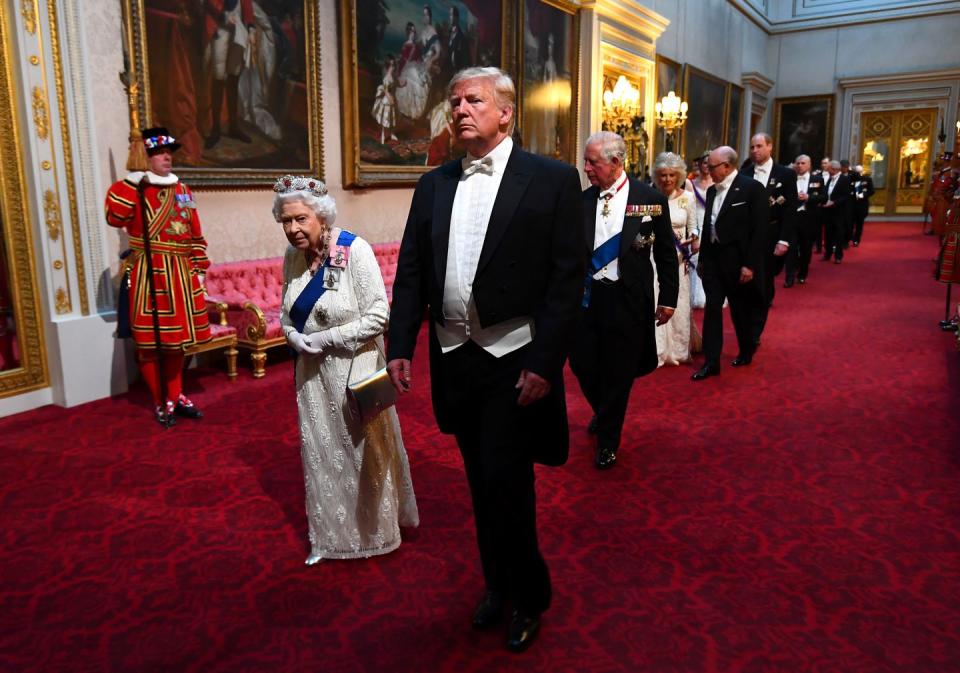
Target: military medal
{"points": [[609, 195], [331, 278], [339, 256]]}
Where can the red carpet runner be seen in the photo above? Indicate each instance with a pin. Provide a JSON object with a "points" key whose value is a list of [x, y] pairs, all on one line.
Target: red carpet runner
{"points": [[800, 515]]}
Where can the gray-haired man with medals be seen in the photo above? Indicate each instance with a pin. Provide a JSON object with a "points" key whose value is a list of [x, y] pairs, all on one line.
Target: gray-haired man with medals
{"points": [[623, 220]]}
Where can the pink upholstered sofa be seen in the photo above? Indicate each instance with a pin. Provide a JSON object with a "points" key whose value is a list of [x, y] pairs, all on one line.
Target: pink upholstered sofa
{"points": [[250, 291]]}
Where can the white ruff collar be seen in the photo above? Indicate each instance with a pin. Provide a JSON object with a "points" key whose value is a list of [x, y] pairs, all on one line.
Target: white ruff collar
{"points": [[153, 178]]}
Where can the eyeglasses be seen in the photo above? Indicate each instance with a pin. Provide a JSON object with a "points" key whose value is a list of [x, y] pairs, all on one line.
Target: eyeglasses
{"points": [[722, 163]]}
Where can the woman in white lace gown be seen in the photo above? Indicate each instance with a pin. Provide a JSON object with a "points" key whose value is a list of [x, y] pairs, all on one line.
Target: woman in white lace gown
{"points": [[674, 339], [357, 476]]}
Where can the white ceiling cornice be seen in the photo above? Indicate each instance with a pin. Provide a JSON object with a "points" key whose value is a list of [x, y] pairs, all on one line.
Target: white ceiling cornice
{"points": [[630, 15], [856, 14]]}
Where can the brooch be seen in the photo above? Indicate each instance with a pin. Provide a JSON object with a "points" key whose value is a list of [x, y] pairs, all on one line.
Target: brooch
{"points": [[643, 240], [635, 210], [777, 201]]}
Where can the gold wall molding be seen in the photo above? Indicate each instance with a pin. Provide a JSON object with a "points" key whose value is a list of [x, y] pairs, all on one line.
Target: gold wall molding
{"points": [[40, 118], [51, 214], [78, 258], [16, 230], [57, 264], [28, 10], [63, 302]]}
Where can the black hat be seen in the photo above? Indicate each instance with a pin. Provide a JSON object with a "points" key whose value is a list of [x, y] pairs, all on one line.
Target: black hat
{"points": [[158, 138]]}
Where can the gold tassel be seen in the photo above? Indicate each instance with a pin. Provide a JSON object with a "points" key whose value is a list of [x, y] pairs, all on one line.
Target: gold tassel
{"points": [[137, 157]]}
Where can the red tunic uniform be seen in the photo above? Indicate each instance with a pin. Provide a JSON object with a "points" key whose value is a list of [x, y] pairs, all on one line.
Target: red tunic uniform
{"points": [[179, 256]]}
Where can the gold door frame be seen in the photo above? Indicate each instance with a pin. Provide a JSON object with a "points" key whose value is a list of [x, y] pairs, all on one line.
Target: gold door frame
{"points": [[16, 230]]}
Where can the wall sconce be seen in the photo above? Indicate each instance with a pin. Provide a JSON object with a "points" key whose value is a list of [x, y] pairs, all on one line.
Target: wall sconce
{"points": [[621, 114], [671, 115]]}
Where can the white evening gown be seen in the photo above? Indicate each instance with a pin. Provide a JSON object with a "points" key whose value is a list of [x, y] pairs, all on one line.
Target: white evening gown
{"points": [[357, 476], [673, 339]]}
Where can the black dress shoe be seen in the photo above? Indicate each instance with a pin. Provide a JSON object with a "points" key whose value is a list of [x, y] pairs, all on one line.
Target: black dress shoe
{"points": [[705, 371], [165, 419], [523, 631], [605, 458], [187, 410], [742, 361], [592, 425], [802, 281], [489, 611]]}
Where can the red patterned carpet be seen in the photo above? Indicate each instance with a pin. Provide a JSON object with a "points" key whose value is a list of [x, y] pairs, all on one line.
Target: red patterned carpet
{"points": [[801, 515]]}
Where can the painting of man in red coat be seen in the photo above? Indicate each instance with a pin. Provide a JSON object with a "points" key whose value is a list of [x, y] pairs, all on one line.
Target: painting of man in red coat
{"points": [[229, 37]]}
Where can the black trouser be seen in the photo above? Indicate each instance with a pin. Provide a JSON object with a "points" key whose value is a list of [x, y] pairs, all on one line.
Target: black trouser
{"points": [[835, 224], [720, 273], [772, 266], [499, 466], [606, 356], [860, 211], [808, 229]]}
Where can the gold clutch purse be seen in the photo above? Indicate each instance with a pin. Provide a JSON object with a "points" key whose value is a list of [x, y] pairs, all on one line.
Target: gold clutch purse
{"points": [[369, 396]]}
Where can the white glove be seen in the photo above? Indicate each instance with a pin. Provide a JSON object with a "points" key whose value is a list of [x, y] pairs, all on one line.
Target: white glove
{"points": [[301, 343], [327, 339]]}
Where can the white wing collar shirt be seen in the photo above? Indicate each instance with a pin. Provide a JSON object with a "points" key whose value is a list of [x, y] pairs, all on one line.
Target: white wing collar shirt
{"points": [[761, 173], [722, 188], [803, 184], [611, 224], [472, 205]]}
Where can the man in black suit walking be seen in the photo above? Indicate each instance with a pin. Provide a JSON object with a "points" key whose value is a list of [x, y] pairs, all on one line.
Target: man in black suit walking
{"points": [[492, 252], [781, 234], [835, 213], [733, 242], [623, 219], [862, 191], [810, 194]]}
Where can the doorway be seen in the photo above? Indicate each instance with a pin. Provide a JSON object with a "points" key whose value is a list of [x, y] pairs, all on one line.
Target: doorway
{"points": [[896, 151]]}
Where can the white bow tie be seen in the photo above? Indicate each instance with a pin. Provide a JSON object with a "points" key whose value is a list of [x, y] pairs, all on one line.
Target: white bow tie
{"points": [[484, 165]]}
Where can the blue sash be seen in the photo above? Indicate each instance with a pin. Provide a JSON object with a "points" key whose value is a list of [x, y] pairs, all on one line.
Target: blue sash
{"points": [[602, 256], [301, 308]]}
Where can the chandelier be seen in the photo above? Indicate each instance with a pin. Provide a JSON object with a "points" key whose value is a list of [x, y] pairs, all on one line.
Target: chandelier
{"points": [[621, 104], [622, 114], [671, 112]]}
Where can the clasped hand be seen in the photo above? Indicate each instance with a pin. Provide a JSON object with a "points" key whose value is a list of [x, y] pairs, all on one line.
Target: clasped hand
{"points": [[311, 344]]}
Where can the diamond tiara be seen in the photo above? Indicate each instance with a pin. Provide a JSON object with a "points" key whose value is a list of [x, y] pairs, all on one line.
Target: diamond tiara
{"points": [[299, 183]]}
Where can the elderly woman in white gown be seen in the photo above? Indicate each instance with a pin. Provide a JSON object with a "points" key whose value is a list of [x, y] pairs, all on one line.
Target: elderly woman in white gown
{"points": [[679, 336], [357, 476]]}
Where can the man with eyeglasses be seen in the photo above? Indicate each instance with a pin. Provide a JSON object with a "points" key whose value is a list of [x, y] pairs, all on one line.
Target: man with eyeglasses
{"points": [[732, 245]]}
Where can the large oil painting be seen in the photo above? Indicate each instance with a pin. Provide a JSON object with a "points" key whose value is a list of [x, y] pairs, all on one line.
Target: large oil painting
{"points": [[706, 121], [397, 59], [550, 67], [803, 125], [734, 115], [235, 81]]}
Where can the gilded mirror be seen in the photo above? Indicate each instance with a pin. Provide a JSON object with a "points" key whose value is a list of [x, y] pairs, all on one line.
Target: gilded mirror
{"points": [[22, 352]]}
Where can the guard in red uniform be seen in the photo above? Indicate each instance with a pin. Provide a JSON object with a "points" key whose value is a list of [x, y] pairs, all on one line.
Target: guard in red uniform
{"points": [[179, 259]]}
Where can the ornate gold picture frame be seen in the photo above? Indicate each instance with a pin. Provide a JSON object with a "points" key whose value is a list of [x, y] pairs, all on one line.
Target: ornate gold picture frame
{"points": [[241, 91], [396, 60], [15, 229]]}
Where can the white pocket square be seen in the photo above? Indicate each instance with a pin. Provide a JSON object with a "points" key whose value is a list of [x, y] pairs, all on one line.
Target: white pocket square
{"points": [[646, 218], [734, 205]]}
